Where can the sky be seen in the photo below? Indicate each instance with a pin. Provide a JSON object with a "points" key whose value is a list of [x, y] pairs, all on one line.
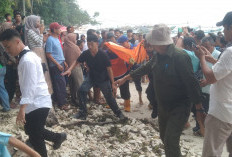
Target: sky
{"points": [[116, 13]]}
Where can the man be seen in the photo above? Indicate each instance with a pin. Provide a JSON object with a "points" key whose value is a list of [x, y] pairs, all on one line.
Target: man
{"points": [[35, 101], [18, 19], [120, 69], [100, 75], [117, 34], [174, 84], [8, 18], [218, 123], [70, 29], [130, 36], [198, 36], [57, 65], [123, 40]]}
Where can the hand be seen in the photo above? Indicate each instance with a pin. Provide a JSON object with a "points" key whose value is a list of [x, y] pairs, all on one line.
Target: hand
{"points": [[41, 29], [209, 58], [21, 117], [199, 52], [66, 66], [203, 83], [120, 82], [68, 72], [185, 31], [60, 67], [114, 87]]}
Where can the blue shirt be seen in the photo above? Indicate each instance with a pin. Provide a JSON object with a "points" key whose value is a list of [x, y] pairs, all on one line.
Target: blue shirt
{"points": [[53, 46], [4, 139], [195, 61]]}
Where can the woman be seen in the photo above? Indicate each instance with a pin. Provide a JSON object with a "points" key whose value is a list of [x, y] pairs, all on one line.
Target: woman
{"points": [[34, 40], [71, 53]]}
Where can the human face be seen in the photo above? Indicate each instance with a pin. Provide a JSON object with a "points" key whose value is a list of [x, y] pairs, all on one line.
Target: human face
{"points": [[228, 33], [57, 31], [112, 39], [37, 23], [12, 47], [129, 35], [8, 18], [208, 46], [117, 34], [161, 49], [18, 18], [81, 46], [126, 44], [93, 47]]}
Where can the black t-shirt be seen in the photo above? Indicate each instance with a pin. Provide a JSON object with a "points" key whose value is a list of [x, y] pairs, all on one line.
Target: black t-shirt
{"points": [[97, 65]]}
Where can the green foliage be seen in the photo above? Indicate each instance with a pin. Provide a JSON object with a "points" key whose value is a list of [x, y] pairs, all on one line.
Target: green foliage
{"points": [[66, 12], [5, 7]]}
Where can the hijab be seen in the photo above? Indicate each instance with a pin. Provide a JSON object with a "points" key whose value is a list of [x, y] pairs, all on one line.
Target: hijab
{"points": [[31, 23], [71, 50]]}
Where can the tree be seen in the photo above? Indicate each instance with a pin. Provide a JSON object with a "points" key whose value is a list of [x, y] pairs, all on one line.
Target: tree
{"points": [[5, 7]]}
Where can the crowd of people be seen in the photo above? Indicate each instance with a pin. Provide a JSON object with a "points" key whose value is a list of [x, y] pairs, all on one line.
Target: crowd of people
{"points": [[190, 72]]}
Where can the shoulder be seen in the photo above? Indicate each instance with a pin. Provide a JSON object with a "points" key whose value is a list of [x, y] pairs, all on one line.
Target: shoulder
{"points": [[30, 57]]}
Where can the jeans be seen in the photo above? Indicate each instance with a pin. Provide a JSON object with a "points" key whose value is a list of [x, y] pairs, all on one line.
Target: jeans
{"points": [[34, 128], [106, 89], [3, 93], [10, 81], [59, 85]]}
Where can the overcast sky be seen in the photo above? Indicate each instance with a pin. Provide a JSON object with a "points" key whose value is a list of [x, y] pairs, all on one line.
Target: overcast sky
{"points": [[115, 13]]}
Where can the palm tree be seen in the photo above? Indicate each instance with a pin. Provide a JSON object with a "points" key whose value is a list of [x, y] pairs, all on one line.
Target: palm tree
{"points": [[28, 3]]}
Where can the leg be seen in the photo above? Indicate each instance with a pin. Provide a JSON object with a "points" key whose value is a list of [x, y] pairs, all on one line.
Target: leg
{"points": [[175, 125], [125, 94], [34, 127], [84, 89], [59, 85], [10, 81], [162, 120], [3, 93], [151, 97], [217, 133], [107, 92], [139, 89]]}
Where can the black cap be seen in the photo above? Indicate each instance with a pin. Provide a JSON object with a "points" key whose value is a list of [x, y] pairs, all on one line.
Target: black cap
{"points": [[91, 38], [227, 20]]}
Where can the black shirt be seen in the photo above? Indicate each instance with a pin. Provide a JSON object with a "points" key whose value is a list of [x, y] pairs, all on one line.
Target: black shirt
{"points": [[173, 78], [97, 65]]}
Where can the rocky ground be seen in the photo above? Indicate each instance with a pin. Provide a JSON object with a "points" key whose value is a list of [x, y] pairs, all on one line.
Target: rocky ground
{"points": [[103, 135]]}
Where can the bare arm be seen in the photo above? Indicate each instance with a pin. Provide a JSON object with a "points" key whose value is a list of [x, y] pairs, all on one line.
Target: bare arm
{"points": [[23, 147], [208, 73], [110, 73], [49, 56]]}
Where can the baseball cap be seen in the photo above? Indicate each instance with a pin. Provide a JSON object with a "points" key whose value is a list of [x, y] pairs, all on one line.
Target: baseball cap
{"points": [[160, 35], [227, 20], [55, 25], [91, 38], [122, 39]]}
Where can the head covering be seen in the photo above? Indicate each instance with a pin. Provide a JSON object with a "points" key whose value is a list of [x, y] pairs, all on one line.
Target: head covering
{"points": [[71, 50], [55, 25], [4, 26], [31, 23], [122, 39], [227, 20], [160, 35]]}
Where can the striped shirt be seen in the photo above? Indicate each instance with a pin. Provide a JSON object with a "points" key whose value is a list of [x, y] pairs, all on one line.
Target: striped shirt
{"points": [[34, 40]]}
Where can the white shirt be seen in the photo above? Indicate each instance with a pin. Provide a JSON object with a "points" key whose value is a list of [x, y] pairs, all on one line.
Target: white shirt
{"points": [[85, 46], [221, 92], [215, 55], [32, 83]]}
